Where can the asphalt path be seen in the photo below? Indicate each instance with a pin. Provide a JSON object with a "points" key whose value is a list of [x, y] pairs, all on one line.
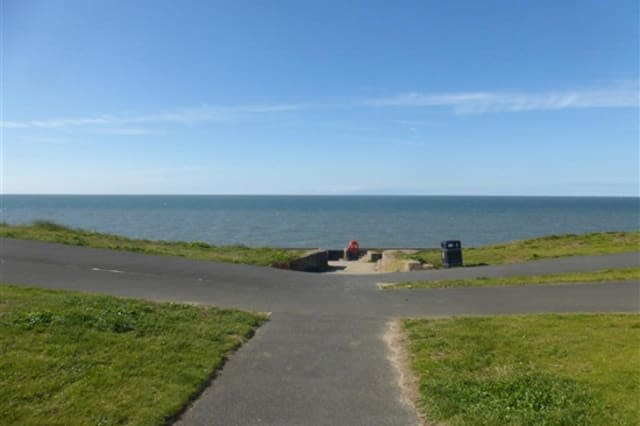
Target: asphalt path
{"points": [[321, 359]]}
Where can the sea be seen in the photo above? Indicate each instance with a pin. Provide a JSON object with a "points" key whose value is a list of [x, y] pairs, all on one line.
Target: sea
{"points": [[327, 221]]}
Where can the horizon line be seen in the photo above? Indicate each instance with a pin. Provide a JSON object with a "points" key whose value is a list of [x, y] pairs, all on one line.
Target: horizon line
{"points": [[314, 195]]}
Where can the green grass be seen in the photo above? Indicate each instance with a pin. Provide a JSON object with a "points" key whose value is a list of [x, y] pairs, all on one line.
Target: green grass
{"points": [[528, 370], [72, 358], [540, 248], [52, 232], [606, 275]]}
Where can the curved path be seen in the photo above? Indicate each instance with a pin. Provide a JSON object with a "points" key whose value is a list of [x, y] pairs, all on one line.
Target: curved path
{"points": [[321, 359]]}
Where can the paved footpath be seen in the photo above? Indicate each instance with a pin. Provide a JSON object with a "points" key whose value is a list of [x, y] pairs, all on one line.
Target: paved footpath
{"points": [[321, 359]]}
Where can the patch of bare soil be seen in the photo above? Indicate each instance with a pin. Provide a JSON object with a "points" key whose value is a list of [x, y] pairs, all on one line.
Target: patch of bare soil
{"points": [[397, 344]]}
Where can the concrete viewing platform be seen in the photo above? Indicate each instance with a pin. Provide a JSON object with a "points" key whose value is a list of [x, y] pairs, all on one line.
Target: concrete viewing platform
{"points": [[368, 262]]}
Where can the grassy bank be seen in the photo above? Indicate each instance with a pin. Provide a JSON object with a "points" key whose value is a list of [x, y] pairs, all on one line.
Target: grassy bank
{"points": [[73, 358], [52, 232], [541, 248], [538, 369], [606, 275], [512, 252]]}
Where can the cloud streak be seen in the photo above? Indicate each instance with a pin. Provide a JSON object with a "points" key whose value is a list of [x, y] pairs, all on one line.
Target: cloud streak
{"points": [[485, 102], [186, 116], [622, 96]]}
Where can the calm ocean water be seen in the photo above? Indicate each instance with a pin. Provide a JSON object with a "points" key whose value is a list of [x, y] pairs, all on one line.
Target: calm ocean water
{"points": [[328, 221]]}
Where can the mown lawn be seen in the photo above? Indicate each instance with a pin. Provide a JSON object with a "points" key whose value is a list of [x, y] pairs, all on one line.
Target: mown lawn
{"points": [[540, 248], [605, 275], [577, 369], [52, 232], [72, 358]]}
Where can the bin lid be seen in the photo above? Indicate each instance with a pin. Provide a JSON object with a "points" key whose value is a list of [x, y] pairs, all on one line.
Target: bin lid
{"points": [[450, 244]]}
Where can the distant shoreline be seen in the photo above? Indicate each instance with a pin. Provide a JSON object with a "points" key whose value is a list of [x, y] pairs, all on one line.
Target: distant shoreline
{"points": [[321, 195]]}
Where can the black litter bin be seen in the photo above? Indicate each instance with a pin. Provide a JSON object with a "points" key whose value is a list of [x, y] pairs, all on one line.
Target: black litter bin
{"points": [[451, 253]]}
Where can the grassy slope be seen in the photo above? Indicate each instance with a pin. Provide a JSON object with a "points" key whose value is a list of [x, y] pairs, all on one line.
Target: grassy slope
{"points": [[51, 232], [606, 275], [513, 252], [538, 369], [73, 358], [541, 248]]}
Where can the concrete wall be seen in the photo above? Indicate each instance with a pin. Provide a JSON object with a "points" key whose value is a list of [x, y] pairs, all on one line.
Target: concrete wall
{"points": [[312, 261], [335, 254]]}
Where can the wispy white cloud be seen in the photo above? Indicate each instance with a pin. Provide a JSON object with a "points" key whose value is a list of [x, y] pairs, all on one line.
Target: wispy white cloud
{"points": [[57, 123], [205, 113], [211, 113], [481, 102], [624, 95]]}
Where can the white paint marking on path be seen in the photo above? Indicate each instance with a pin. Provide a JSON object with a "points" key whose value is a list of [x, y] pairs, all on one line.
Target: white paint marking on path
{"points": [[113, 271]]}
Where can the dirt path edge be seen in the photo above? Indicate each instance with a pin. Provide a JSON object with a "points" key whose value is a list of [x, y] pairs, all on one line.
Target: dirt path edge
{"points": [[397, 343]]}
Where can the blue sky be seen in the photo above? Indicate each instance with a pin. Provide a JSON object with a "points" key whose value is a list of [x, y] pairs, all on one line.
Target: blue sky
{"points": [[465, 98]]}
